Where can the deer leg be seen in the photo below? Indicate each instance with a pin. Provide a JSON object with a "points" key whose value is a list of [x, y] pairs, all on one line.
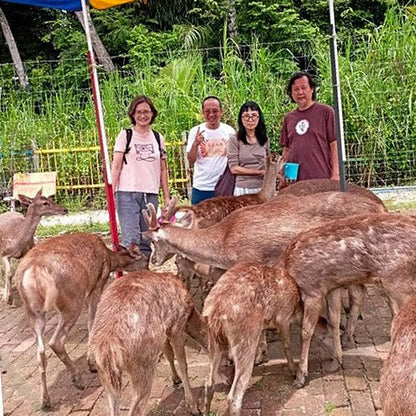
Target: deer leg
{"points": [[57, 342], [215, 361], [178, 345], [243, 356], [38, 324], [334, 305], [261, 351], [312, 309], [7, 295], [92, 309], [284, 332], [170, 356], [356, 294], [142, 386]]}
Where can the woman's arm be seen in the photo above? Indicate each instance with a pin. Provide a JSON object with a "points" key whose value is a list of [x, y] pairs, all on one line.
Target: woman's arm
{"points": [[164, 181], [116, 169], [239, 170]]}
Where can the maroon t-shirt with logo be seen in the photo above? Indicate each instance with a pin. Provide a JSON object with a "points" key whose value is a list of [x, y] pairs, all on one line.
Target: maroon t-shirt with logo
{"points": [[308, 134]]}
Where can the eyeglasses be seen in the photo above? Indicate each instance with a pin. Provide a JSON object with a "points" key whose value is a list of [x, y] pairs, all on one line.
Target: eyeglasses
{"points": [[214, 111], [250, 117], [143, 113]]}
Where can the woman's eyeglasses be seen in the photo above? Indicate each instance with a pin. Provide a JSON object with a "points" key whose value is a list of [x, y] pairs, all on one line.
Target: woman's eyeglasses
{"points": [[250, 116], [143, 113]]}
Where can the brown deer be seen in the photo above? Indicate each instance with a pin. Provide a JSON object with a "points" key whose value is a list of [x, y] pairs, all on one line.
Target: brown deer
{"points": [[213, 210], [257, 233], [356, 250], [313, 186], [17, 232], [248, 298], [62, 273], [398, 381], [138, 317]]}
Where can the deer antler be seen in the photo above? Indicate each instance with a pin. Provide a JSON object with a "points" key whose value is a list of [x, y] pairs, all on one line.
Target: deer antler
{"points": [[151, 220], [170, 210]]}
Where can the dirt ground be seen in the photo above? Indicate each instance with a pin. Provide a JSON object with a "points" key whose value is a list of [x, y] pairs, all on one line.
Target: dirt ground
{"points": [[352, 391]]}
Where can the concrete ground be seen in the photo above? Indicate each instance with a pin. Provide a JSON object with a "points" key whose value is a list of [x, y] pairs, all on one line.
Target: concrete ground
{"points": [[352, 391]]}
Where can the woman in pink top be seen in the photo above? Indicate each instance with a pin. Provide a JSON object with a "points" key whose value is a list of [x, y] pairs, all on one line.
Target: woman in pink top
{"points": [[138, 171]]}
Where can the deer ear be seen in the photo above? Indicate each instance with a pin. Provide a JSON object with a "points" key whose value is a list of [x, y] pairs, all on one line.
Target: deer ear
{"points": [[25, 200], [38, 194], [188, 219]]}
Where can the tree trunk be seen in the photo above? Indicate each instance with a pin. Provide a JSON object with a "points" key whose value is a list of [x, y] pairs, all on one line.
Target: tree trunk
{"points": [[232, 16], [99, 49], [14, 52]]}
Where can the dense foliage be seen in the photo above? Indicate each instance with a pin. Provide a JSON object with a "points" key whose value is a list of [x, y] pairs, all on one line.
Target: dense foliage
{"points": [[179, 51]]}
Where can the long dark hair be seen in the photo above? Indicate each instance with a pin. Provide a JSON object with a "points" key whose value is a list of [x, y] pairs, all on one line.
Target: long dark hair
{"points": [[260, 131], [138, 100]]}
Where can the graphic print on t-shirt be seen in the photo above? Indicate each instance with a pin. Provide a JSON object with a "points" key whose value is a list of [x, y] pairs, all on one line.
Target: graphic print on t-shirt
{"points": [[215, 147], [145, 152], [302, 127]]}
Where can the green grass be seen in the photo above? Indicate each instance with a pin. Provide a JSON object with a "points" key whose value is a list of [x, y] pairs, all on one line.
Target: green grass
{"points": [[48, 231], [393, 205]]}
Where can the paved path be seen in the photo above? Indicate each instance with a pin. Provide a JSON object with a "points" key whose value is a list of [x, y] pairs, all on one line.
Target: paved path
{"points": [[353, 391]]}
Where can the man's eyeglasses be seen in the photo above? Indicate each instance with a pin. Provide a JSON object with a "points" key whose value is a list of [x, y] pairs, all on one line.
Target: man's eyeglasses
{"points": [[143, 113], [250, 116]]}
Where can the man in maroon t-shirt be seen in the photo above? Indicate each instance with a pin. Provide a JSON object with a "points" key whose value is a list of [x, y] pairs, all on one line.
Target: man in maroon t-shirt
{"points": [[308, 133]]}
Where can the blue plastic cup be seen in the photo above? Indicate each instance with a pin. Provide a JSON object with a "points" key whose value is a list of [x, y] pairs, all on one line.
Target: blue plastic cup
{"points": [[291, 171]]}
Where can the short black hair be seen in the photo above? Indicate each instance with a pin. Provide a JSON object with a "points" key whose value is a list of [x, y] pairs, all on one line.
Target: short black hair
{"points": [[211, 97], [297, 75]]}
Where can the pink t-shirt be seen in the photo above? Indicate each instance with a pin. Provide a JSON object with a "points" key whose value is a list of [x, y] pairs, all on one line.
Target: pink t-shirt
{"points": [[142, 171], [308, 135]]}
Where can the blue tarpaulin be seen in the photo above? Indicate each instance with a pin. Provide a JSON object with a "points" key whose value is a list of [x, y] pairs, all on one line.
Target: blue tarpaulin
{"points": [[53, 4]]}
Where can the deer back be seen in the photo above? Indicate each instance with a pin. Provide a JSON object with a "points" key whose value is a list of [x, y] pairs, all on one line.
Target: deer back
{"points": [[313, 186], [358, 249], [68, 266]]}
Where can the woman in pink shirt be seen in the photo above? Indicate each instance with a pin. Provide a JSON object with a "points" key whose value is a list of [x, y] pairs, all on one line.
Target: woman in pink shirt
{"points": [[138, 171]]}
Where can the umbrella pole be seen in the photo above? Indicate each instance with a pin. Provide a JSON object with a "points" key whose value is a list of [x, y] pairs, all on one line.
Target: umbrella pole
{"points": [[336, 87], [101, 131]]}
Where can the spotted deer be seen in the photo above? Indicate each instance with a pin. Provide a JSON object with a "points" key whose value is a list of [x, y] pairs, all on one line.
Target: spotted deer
{"points": [[62, 273], [356, 250], [17, 232], [138, 317]]}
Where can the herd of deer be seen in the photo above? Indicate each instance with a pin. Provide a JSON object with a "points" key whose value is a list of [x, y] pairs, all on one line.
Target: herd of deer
{"points": [[266, 260]]}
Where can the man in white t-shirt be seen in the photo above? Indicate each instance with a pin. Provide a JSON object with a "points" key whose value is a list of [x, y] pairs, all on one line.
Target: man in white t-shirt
{"points": [[207, 149]]}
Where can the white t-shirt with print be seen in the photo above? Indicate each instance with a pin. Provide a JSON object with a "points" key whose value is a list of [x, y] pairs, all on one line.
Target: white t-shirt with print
{"points": [[142, 171], [210, 166]]}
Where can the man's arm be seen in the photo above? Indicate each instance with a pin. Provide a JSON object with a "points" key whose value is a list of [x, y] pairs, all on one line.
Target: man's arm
{"points": [[333, 148], [193, 151]]}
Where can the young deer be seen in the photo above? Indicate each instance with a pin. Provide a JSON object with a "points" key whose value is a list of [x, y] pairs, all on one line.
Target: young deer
{"points": [[356, 250], [247, 298], [17, 231], [138, 317], [61, 273], [398, 377]]}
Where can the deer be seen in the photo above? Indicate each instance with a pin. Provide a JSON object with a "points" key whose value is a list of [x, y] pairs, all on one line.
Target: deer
{"points": [[268, 230], [247, 298], [397, 382], [17, 232], [143, 314], [213, 210], [375, 248], [63, 273], [313, 186]]}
